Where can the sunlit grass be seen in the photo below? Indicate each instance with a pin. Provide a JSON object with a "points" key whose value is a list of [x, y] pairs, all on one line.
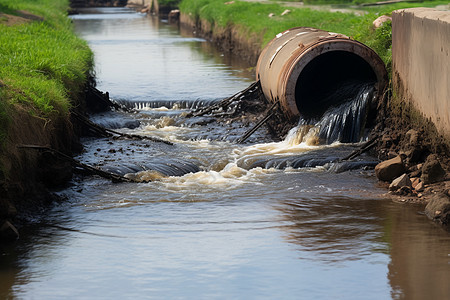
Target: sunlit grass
{"points": [[53, 61], [42, 62]]}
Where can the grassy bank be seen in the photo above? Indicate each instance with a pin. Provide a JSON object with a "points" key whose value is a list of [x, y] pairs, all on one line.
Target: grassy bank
{"points": [[252, 18], [43, 70], [43, 65]]}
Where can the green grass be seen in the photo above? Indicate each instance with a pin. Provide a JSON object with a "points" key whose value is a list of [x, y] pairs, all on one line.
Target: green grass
{"points": [[42, 63], [172, 3], [253, 19], [349, 2]]}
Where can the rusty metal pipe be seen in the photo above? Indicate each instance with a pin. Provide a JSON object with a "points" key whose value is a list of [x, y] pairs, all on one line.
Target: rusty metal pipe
{"points": [[300, 65]]}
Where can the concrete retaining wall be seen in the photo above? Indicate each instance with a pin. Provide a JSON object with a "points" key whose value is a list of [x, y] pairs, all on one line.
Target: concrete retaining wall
{"points": [[421, 62]]}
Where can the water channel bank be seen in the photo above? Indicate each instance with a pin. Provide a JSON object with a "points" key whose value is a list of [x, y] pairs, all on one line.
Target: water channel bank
{"points": [[44, 72]]}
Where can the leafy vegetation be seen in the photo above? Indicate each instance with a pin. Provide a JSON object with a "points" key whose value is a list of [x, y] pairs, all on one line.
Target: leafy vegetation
{"points": [[42, 62]]}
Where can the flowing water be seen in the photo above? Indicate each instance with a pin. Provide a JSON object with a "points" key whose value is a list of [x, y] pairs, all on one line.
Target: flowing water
{"points": [[211, 218]]}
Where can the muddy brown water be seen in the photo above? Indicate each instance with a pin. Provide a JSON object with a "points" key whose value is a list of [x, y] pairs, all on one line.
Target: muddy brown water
{"points": [[232, 227]]}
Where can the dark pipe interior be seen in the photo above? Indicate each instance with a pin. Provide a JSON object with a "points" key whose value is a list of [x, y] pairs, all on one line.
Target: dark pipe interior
{"points": [[328, 80]]}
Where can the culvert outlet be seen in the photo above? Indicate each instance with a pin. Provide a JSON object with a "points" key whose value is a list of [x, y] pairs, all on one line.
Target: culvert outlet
{"points": [[301, 67]]}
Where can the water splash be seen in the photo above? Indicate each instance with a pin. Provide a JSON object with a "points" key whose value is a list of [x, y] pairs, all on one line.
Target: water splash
{"points": [[306, 146], [342, 123], [165, 104]]}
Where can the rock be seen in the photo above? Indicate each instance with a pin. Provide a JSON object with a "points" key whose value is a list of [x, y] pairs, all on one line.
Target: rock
{"points": [[438, 209], [414, 181], [380, 21], [416, 173], [271, 15], [412, 136], [386, 141], [390, 169], [432, 170], [8, 232], [419, 187], [404, 190], [392, 154], [400, 182], [412, 147], [415, 154]]}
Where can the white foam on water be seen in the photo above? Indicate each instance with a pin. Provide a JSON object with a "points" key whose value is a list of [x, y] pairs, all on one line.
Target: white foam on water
{"points": [[230, 177]]}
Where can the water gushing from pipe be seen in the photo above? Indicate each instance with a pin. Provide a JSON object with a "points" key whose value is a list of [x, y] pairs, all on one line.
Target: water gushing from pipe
{"points": [[344, 122]]}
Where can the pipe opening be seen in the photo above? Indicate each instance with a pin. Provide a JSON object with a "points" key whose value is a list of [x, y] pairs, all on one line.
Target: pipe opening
{"points": [[330, 79]]}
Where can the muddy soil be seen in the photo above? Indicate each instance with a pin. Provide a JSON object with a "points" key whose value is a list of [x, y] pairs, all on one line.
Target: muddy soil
{"points": [[416, 141]]}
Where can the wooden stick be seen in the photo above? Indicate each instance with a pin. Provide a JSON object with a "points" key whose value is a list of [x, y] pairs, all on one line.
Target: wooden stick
{"points": [[104, 98], [366, 147], [269, 114], [225, 102], [105, 132]]}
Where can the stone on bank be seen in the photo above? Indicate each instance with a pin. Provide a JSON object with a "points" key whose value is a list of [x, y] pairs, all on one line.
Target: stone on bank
{"points": [[399, 182], [390, 169], [438, 209], [432, 170]]}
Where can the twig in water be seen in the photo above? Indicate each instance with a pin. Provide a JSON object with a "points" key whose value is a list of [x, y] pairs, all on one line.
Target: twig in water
{"points": [[269, 114], [105, 132], [366, 147], [223, 104]]}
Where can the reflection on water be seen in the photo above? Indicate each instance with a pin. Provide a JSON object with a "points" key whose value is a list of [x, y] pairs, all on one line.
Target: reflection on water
{"points": [[420, 257], [263, 220], [153, 61]]}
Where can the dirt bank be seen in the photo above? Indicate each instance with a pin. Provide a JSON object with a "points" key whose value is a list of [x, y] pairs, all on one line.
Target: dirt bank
{"points": [[27, 176], [404, 132], [30, 174], [229, 39]]}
